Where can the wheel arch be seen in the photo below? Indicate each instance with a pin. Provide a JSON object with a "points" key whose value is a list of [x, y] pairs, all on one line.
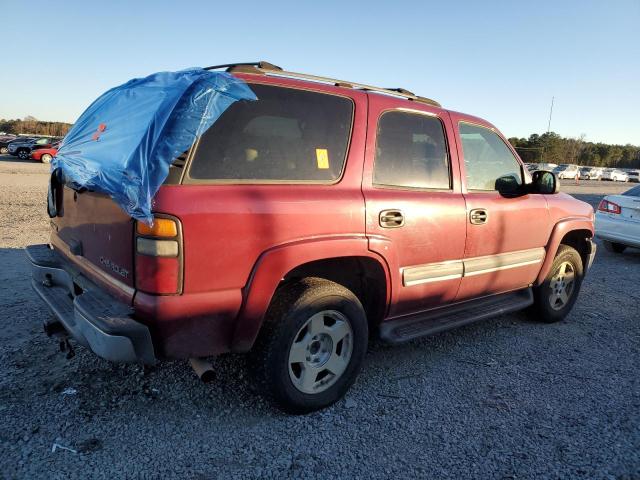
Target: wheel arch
{"points": [[575, 232], [346, 261]]}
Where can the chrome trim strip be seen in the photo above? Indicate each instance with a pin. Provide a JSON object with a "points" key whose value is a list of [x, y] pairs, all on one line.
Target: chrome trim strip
{"points": [[432, 272], [452, 269], [503, 267], [503, 261]]}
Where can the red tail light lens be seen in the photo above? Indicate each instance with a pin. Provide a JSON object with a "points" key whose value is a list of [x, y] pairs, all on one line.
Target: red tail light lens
{"points": [[159, 257], [609, 207], [157, 274]]}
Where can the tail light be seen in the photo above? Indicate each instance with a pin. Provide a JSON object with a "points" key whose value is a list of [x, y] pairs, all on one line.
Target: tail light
{"points": [[609, 207], [159, 256]]}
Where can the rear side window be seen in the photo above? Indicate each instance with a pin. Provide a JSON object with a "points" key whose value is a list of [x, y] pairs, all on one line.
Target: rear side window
{"points": [[286, 135], [487, 158], [411, 151]]}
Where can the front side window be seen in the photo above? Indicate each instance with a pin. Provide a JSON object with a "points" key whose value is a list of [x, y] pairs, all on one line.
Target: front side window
{"points": [[286, 135], [487, 158], [411, 151]]}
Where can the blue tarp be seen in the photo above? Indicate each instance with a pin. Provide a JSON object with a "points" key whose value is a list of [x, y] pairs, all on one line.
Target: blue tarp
{"points": [[124, 143]]}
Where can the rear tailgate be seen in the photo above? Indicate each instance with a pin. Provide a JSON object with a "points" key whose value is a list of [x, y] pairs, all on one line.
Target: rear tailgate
{"points": [[93, 231]]}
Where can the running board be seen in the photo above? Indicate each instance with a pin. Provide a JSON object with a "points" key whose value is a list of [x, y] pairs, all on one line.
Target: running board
{"points": [[453, 316]]}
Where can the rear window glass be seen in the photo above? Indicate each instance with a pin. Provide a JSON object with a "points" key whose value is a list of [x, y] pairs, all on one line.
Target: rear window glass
{"points": [[286, 135], [634, 192]]}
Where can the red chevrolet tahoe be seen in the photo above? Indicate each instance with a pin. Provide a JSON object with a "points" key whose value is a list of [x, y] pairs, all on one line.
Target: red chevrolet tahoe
{"points": [[302, 223]]}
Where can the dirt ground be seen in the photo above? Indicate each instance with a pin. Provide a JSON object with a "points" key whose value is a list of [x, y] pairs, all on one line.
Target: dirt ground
{"points": [[505, 398]]}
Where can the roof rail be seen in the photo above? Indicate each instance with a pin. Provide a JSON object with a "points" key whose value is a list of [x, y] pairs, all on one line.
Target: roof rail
{"points": [[266, 68]]}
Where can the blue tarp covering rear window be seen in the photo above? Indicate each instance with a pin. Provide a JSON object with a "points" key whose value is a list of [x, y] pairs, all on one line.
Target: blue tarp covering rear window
{"points": [[124, 143]]}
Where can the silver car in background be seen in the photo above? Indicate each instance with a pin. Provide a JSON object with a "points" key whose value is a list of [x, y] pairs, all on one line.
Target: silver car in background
{"points": [[590, 173], [615, 175], [618, 220]]}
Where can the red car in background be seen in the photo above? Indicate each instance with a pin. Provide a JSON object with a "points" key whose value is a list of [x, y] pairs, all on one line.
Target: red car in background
{"points": [[45, 155]]}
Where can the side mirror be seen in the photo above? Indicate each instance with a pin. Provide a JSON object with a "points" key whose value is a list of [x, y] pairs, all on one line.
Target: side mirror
{"points": [[508, 185], [545, 182]]}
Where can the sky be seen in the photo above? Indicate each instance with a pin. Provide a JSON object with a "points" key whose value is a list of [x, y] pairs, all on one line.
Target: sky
{"points": [[502, 61]]}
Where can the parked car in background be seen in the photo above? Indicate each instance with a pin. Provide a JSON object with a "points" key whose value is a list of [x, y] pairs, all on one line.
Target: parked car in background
{"points": [[326, 192], [22, 149], [547, 167], [618, 220], [615, 175], [590, 173], [568, 172], [634, 176], [5, 140], [45, 155]]}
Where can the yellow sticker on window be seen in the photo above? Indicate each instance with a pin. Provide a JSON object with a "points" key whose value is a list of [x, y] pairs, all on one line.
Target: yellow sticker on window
{"points": [[322, 156]]}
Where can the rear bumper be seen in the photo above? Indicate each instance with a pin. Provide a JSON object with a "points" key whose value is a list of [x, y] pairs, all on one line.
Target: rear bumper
{"points": [[618, 229], [94, 318]]}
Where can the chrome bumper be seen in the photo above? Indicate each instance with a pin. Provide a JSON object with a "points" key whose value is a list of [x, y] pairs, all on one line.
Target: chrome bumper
{"points": [[94, 318]]}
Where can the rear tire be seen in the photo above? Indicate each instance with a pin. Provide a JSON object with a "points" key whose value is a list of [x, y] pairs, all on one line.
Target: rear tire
{"points": [[614, 247], [554, 298], [313, 328], [4, 150], [46, 158]]}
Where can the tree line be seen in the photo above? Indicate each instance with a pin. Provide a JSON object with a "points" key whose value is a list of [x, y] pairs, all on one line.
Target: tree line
{"points": [[32, 126], [548, 147], [552, 148]]}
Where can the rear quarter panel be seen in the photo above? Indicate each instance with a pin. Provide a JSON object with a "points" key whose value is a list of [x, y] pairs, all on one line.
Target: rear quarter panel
{"points": [[227, 227]]}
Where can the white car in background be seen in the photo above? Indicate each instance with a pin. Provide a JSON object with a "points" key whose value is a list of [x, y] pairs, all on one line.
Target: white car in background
{"points": [[618, 220], [569, 171], [548, 167], [634, 176], [615, 175]]}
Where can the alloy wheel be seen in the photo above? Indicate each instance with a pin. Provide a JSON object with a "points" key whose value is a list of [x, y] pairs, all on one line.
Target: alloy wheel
{"points": [[320, 352], [562, 285]]}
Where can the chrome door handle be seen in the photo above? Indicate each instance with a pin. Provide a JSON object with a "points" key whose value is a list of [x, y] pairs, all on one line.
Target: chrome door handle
{"points": [[478, 216], [391, 219]]}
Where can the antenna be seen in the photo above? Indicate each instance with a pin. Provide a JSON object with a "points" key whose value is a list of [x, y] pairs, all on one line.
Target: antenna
{"points": [[550, 113]]}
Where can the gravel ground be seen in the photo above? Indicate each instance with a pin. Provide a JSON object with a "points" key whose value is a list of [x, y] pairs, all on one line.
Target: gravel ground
{"points": [[506, 398]]}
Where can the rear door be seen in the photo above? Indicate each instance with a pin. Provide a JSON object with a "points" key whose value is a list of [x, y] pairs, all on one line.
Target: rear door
{"points": [[506, 236], [415, 212]]}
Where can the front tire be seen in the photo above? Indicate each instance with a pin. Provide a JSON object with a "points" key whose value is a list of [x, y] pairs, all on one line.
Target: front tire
{"points": [[4, 150], [311, 346], [23, 154], [554, 298], [46, 158]]}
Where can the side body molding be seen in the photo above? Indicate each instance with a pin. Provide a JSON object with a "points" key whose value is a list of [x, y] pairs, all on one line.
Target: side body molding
{"points": [[274, 264], [563, 227]]}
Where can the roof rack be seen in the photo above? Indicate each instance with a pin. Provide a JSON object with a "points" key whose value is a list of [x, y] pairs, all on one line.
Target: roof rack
{"points": [[266, 68]]}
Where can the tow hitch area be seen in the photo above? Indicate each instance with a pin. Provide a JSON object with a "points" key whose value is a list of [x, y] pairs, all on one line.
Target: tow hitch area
{"points": [[92, 317], [65, 346]]}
